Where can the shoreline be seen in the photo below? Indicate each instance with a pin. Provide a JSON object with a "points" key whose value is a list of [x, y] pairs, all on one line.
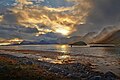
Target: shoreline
{"points": [[68, 66]]}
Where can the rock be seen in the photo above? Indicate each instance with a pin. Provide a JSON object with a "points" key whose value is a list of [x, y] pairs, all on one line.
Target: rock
{"points": [[84, 75], [96, 78], [69, 75], [1, 66], [29, 62], [40, 78], [4, 69], [110, 76], [74, 76], [55, 70]]}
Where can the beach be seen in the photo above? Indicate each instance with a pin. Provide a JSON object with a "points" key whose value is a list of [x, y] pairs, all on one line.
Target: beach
{"points": [[48, 65]]}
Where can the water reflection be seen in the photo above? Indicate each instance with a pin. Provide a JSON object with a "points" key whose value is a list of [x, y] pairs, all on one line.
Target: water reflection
{"points": [[59, 60], [112, 51], [95, 51], [64, 57], [63, 48]]}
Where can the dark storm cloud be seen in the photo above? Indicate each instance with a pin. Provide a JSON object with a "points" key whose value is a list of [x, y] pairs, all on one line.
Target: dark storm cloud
{"points": [[9, 18], [105, 12]]}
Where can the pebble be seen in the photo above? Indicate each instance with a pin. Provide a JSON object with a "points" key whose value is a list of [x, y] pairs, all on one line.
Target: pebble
{"points": [[110, 76], [29, 62], [76, 71], [96, 78]]}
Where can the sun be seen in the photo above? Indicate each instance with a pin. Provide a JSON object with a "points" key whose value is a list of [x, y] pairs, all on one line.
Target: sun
{"points": [[63, 31]]}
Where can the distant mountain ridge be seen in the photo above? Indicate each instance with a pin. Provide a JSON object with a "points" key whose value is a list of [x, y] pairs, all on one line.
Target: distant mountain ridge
{"points": [[113, 38], [88, 37], [108, 35]]}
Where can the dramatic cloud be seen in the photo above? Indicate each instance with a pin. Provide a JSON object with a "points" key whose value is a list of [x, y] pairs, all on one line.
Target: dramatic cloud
{"points": [[102, 14], [60, 16], [46, 19], [105, 12], [24, 2]]}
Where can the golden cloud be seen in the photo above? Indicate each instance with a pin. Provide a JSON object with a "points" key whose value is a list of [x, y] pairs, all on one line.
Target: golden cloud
{"points": [[24, 2], [59, 20], [1, 18]]}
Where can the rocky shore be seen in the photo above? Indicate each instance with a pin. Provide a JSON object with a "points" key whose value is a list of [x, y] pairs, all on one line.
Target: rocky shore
{"points": [[16, 67]]}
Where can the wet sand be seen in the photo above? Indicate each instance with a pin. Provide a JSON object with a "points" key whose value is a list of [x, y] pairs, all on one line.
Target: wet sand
{"points": [[67, 66]]}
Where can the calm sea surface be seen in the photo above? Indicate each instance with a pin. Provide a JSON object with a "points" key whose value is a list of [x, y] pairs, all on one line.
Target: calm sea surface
{"points": [[96, 51]]}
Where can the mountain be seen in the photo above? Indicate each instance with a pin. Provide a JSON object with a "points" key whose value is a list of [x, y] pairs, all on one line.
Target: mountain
{"points": [[25, 42], [88, 37], [112, 38], [80, 43], [105, 32], [108, 35]]}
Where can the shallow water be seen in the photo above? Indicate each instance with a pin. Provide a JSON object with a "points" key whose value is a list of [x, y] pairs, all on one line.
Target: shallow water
{"points": [[103, 58], [95, 51]]}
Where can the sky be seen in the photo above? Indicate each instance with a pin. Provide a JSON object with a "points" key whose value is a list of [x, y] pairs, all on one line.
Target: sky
{"points": [[31, 19]]}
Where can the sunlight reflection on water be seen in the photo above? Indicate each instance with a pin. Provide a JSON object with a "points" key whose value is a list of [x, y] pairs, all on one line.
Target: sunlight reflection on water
{"points": [[96, 51], [59, 60]]}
